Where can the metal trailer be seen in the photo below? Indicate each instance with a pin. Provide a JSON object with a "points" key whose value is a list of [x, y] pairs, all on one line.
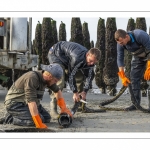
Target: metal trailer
{"points": [[16, 55]]}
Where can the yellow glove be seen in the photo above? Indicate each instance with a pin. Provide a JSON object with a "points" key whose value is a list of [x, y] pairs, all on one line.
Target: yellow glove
{"points": [[124, 79], [147, 72]]}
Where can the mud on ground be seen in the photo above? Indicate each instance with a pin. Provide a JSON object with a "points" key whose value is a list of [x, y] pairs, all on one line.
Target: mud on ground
{"points": [[109, 121]]}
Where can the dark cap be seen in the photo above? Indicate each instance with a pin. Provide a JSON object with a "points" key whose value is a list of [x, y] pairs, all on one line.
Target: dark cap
{"points": [[55, 70]]}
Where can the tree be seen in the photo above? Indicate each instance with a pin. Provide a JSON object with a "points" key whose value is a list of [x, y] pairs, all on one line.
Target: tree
{"points": [[62, 32], [47, 39], [76, 31], [54, 31], [86, 36], [100, 44], [141, 24], [38, 43], [92, 44], [111, 69], [33, 48]]}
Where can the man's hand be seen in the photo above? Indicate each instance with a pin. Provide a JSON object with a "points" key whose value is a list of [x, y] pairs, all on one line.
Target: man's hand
{"points": [[35, 115], [61, 103], [38, 122], [147, 72], [83, 95], [125, 80], [76, 97]]}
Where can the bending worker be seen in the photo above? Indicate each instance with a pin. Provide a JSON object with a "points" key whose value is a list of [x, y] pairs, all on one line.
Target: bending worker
{"points": [[138, 43], [77, 63], [22, 101]]}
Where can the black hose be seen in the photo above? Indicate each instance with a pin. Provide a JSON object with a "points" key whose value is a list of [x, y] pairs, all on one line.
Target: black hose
{"points": [[64, 119]]}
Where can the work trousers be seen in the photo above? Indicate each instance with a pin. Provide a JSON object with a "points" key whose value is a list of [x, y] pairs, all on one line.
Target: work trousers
{"points": [[18, 114], [79, 77], [138, 66]]}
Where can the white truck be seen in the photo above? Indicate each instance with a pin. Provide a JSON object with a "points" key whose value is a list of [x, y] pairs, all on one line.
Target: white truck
{"points": [[16, 57]]}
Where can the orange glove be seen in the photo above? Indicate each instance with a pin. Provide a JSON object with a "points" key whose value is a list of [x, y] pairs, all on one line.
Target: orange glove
{"points": [[147, 72], [124, 79], [38, 122], [61, 103]]}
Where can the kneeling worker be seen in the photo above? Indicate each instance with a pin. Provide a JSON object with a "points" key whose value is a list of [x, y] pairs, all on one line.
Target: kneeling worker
{"points": [[22, 101]]}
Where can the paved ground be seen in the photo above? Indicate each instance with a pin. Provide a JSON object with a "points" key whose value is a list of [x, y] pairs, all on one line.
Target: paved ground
{"points": [[109, 121]]}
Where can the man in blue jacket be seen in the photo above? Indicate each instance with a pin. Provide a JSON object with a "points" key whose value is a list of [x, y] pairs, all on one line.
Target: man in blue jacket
{"points": [[138, 43], [77, 63]]}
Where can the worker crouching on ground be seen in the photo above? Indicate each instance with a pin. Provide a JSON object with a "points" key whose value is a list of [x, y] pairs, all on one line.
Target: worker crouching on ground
{"points": [[22, 101], [78, 69]]}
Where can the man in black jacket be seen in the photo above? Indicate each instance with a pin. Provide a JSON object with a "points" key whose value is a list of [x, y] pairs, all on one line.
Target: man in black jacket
{"points": [[78, 66]]}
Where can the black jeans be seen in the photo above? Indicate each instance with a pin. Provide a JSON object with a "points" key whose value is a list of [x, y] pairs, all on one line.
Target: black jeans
{"points": [[19, 114], [137, 71]]}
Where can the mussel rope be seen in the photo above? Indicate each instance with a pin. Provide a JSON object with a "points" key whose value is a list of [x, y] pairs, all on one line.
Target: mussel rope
{"points": [[85, 109], [106, 102], [134, 101]]}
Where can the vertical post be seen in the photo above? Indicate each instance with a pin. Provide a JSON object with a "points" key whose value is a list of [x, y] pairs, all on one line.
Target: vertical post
{"points": [[7, 32], [30, 34]]}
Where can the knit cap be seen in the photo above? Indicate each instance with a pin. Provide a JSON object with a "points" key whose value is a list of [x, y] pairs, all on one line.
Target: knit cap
{"points": [[55, 69]]}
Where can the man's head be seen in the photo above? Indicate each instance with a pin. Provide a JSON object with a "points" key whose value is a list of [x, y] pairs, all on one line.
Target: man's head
{"points": [[52, 73], [92, 56], [122, 37]]}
